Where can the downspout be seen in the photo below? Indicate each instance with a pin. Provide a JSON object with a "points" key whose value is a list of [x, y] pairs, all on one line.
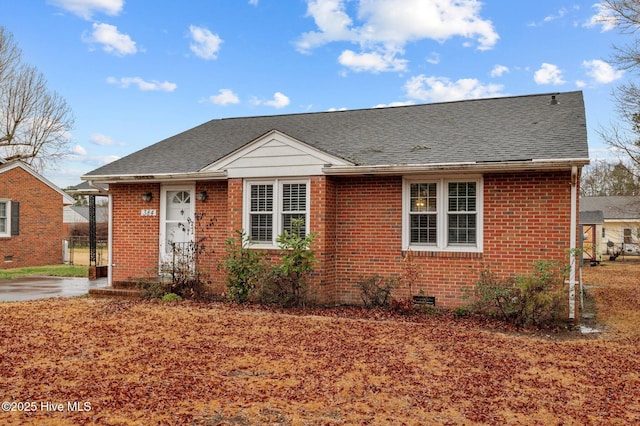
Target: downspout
{"points": [[109, 230], [572, 243]]}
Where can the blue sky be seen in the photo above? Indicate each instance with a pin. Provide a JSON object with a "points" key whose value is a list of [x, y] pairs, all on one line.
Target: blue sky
{"points": [[137, 72]]}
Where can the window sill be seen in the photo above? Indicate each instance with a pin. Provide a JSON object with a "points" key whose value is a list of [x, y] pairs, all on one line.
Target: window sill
{"points": [[422, 252]]}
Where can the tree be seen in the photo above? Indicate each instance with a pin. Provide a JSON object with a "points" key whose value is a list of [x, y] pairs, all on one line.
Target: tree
{"points": [[34, 122], [603, 178]]}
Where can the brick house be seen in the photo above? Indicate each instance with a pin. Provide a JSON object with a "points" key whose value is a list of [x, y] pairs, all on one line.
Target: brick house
{"points": [[461, 185], [30, 217]]}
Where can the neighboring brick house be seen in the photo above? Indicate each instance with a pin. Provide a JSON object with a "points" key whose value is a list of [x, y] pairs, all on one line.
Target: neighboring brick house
{"points": [[30, 217], [462, 185]]}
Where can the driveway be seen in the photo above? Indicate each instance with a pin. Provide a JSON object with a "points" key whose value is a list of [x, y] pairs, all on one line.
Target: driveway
{"points": [[30, 288]]}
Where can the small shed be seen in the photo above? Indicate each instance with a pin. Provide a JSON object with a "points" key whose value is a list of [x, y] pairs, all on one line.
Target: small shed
{"points": [[590, 221]]}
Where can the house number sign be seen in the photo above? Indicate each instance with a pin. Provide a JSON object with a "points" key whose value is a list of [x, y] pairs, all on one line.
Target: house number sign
{"points": [[148, 212]]}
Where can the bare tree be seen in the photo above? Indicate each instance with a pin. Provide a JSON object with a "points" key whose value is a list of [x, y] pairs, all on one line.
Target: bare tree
{"points": [[34, 122], [624, 137]]}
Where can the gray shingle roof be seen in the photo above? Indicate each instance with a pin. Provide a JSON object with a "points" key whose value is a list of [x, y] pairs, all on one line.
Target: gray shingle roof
{"points": [[615, 207], [591, 217], [486, 130]]}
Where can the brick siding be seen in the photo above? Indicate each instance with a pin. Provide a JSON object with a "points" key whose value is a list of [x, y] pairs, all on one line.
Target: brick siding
{"points": [[40, 239], [358, 222]]}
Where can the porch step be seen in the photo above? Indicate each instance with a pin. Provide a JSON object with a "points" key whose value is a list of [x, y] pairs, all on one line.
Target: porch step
{"points": [[120, 293]]}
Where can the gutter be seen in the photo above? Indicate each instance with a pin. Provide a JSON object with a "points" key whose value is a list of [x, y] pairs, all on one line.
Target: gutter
{"points": [[572, 243], [191, 176], [470, 167]]}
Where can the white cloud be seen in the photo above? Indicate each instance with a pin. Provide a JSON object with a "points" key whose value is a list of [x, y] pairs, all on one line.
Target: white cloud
{"points": [[434, 59], [603, 17], [253, 2], [78, 151], [394, 104], [154, 85], [549, 74], [602, 72], [561, 13], [205, 44], [441, 89], [111, 40], [103, 140], [279, 101], [499, 70], [374, 62], [86, 8], [224, 97], [386, 26]]}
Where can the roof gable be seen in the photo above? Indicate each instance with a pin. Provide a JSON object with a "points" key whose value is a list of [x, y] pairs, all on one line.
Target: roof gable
{"points": [[275, 154], [6, 166]]}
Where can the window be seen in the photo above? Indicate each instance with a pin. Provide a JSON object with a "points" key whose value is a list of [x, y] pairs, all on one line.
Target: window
{"points": [[5, 218], [271, 206], [626, 234], [442, 214]]}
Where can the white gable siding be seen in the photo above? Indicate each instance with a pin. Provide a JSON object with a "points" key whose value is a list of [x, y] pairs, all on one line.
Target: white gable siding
{"points": [[275, 155]]}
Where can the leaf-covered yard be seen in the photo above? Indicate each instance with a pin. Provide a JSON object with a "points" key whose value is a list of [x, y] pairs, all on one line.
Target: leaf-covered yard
{"points": [[122, 362]]}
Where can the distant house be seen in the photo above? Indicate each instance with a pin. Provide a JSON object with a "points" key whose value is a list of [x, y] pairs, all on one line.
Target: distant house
{"points": [[30, 217], [76, 221], [620, 230], [461, 186]]}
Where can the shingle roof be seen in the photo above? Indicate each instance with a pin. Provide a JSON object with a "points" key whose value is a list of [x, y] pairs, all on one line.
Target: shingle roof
{"points": [[615, 207], [486, 130], [590, 217]]}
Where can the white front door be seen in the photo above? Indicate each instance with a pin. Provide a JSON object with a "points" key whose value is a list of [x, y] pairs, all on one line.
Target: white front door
{"points": [[176, 224]]}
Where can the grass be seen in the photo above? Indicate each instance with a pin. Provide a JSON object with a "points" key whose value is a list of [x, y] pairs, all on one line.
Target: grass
{"points": [[49, 270], [139, 363]]}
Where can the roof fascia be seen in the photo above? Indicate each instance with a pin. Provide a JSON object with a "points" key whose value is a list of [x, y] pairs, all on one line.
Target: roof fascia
{"points": [[463, 167], [156, 177]]}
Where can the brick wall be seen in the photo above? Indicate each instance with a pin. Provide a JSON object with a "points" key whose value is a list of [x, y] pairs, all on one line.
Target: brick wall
{"points": [[358, 222], [40, 239], [526, 218]]}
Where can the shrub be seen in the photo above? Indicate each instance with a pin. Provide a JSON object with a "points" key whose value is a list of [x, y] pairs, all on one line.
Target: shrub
{"points": [[376, 290], [536, 298], [287, 282], [188, 278], [245, 268], [152, 289], [171, 297]]}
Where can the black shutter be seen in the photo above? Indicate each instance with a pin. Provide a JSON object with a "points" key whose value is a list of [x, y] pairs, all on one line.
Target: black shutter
{"points": [[15, 218]]}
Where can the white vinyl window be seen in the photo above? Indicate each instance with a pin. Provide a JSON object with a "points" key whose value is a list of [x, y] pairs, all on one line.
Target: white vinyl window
{"points": [[271, 205], [5, 218], [442, 214]]}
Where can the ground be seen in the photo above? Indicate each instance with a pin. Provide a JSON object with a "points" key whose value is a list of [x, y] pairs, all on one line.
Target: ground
{"points": [[87, 361]]}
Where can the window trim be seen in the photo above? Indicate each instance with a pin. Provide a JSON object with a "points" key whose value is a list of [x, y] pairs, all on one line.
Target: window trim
{"points": [[7, 233], [278, 184], [442, 214]]}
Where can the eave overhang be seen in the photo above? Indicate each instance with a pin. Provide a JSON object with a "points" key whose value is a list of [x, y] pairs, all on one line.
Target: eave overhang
{"points": [[157, 177], [463, 167]]}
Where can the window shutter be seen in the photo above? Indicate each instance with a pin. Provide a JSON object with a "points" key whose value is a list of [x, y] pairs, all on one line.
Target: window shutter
{"points": [[15, 218]]}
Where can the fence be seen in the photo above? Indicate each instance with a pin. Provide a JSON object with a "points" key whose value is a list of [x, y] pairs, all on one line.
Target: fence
{"points": [[76, 251]]}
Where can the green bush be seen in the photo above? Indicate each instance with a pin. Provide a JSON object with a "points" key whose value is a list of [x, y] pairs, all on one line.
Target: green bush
{"points": [[245, 268], [171, 297], [287, 282], [537, 298]]}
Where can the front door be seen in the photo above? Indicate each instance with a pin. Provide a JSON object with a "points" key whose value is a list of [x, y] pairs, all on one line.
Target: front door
{"points": [[176, 232]]}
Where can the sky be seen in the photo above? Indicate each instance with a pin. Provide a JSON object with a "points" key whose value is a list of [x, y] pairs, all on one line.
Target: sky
{"points": [[137, 72]]}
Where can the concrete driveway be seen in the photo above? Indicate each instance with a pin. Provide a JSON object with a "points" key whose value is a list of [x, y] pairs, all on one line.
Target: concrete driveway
{"points": [[30, 288]]}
